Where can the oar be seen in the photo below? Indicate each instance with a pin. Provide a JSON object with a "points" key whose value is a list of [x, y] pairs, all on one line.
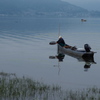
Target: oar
{"points": [[52, 43]]}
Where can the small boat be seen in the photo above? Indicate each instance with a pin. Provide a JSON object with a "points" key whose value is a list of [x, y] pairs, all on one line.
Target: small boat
{"points": [[75, 52], [79, 52], [83, 20]]}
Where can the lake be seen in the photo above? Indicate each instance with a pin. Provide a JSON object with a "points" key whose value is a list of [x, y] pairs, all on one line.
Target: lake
{"points": [[25, 50]]}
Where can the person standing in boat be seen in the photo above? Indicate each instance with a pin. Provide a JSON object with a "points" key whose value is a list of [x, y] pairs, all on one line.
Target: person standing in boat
{"points": [[61, 41]]}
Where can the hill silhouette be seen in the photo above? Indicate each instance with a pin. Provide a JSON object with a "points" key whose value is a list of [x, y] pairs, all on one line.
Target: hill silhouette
{"points": [[39, 8]]}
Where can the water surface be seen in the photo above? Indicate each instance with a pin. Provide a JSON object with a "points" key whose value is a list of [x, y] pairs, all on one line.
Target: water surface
{"points": [[25, 50]]}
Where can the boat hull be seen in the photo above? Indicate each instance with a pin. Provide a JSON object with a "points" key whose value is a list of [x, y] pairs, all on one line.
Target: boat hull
{"points": [[78, 53]]}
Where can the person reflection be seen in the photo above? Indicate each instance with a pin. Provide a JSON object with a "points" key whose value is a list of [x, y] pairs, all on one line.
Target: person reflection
{"points": [[60, 57], [87, 66]]}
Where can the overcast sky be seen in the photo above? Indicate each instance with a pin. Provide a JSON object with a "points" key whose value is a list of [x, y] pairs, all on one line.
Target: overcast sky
{"points": [[87, 4]]}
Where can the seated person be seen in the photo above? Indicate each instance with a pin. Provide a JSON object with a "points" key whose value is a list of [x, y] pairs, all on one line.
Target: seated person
{"points": [[61, 41], [63, 44]]}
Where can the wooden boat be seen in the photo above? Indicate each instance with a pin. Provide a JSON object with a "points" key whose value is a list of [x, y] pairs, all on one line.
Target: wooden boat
{"points": [[84, 53], [75, 52]]}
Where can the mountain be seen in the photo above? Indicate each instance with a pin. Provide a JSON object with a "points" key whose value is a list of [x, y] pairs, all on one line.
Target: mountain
{"points": [[41, 8]]}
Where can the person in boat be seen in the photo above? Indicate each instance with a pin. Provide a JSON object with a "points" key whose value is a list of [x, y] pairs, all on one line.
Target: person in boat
{"points": [[61, 41], [63, 44]]}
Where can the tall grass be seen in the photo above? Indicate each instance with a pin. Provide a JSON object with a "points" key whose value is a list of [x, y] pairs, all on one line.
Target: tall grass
{"points": [[14, 88]]}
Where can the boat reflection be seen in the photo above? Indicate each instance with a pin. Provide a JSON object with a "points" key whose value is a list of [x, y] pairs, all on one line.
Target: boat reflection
{"points": [[89, 60]]}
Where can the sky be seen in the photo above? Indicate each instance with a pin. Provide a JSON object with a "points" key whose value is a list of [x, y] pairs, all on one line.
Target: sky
{"points": [[87, 4]]}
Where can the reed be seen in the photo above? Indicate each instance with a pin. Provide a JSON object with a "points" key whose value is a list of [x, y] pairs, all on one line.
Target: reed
{"points": [[14, 88]]}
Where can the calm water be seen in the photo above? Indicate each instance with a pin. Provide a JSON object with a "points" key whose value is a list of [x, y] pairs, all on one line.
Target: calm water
{"points": [[25, 50]]}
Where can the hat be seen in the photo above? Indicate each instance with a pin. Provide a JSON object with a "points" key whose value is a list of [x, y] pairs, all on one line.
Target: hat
{"points": [[60, 37]]}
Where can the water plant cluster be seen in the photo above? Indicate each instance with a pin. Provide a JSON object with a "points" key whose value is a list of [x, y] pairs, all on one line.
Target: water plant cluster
{"points": [[14, 88]]}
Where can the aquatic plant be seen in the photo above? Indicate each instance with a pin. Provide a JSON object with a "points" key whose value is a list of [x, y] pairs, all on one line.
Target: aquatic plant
{"points": [[14, 88]]}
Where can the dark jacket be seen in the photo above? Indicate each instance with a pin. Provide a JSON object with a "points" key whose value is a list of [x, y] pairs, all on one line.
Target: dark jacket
{"points": [[61, 41]]}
